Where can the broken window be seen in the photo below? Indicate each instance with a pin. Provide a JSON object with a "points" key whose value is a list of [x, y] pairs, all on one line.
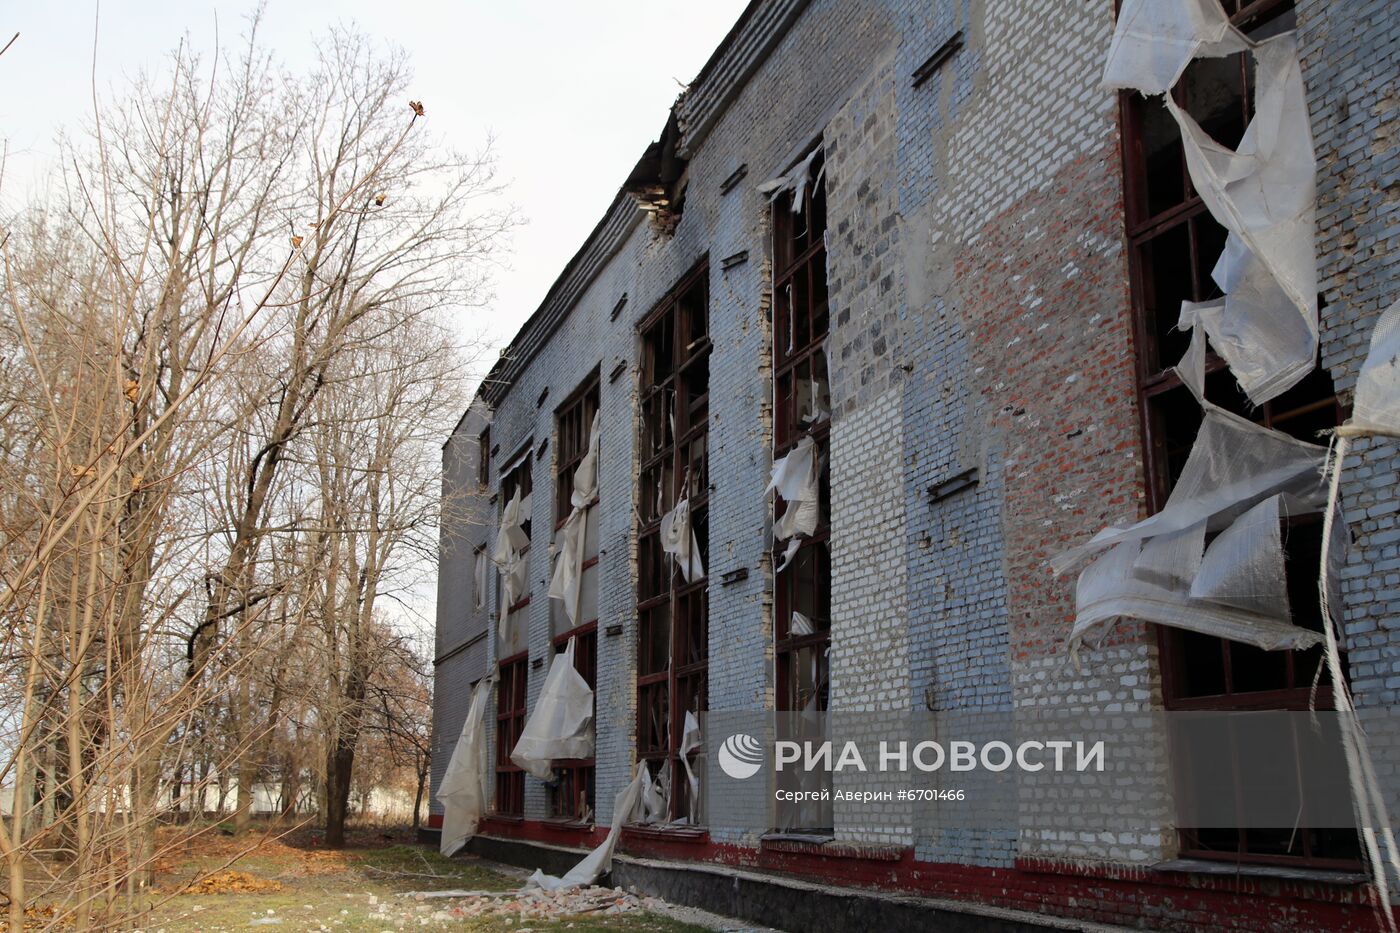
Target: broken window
{"points": [[511, 698], [480, 571], [483, 454], [571, 797], [802, 482], [1174, 243], [512, 550], [673, 497]]}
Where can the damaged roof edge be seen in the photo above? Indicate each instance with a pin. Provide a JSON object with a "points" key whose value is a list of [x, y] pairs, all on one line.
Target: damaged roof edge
{"points": [[744, 48], [606, 239]]}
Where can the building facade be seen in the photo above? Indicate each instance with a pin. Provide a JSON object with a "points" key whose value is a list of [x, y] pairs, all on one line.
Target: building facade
{"points": [[921, 234]]}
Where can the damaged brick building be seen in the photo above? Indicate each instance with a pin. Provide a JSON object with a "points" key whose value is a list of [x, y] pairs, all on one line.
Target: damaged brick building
{"points": [[921, 239]]}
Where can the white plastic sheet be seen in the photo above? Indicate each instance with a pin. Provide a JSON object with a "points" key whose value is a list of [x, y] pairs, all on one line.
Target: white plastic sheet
{"points": [[510, 541], [797, 478], [511, 537], [690, 741], [479, 577], [1156, 39], [1244, 568], [566, 583], [795, 180], [1109, 589], [561, 724], [463, 790], [1237, 480], [1376, 406], [598, 862], [1263, 193], [656, 795], [1233, 465], [679, 541]]}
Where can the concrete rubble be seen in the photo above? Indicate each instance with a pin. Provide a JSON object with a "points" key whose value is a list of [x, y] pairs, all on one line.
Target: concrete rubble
{"points": [[537, 904]]}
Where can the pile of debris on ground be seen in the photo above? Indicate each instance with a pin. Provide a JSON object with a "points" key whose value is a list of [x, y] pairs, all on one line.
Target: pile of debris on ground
{"points": [[532, 903]]}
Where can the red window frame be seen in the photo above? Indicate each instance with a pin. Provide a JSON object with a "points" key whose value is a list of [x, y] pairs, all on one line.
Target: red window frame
{"points": [[801, 323], [571, 799], [512, 698], [1173, 244], [673, 629]]}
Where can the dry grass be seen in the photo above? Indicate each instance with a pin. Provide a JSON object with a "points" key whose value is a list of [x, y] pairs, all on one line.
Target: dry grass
{"points": [[294, 883]]}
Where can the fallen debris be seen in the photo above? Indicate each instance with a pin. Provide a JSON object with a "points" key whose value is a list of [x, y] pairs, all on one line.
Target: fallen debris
{"points": [[533, 903], [232, 881]]}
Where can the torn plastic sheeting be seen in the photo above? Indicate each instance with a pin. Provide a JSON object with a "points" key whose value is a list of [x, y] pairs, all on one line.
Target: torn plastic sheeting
{"points": [[794, 180], [1155, 40], [479, 579], [566, 583], [800, 625], [656, 795], [598, 862], [1263, 192], [1108, 590], [1244, 568], [1172, 560], [679, 541], [1376, 405], [1233, 465], [690, 741], [511, 537], [463, 789], [797, 478], [561, 724], [513, 583]]}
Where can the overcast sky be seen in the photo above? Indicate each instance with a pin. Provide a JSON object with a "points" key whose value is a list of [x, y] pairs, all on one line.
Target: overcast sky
{"points": [[573, 92]]}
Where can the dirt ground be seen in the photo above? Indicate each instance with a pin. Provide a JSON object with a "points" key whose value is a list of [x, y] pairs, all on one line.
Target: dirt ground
{"points": [[219, 883]]}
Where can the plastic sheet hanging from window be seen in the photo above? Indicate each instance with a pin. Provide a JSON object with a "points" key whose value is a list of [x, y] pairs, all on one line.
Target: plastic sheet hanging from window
{"points": [[480, 574], [796, 477], [1262, 192], [463, 791], [598, 862], [1156, 39], [567, 582], [510, 541], [1238, 480], [1376, 404], [679, 541], [561, 725], [795, 180]]}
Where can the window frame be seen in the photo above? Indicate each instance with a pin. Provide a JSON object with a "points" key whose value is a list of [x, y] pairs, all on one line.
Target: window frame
{"points": [[573, 419], [799, 257], [512, 708], [520, 470], [1160, 392], [678, 685]]}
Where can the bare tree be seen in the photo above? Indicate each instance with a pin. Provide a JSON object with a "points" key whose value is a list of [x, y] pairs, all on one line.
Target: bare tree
{"points": [[226, 355]]}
